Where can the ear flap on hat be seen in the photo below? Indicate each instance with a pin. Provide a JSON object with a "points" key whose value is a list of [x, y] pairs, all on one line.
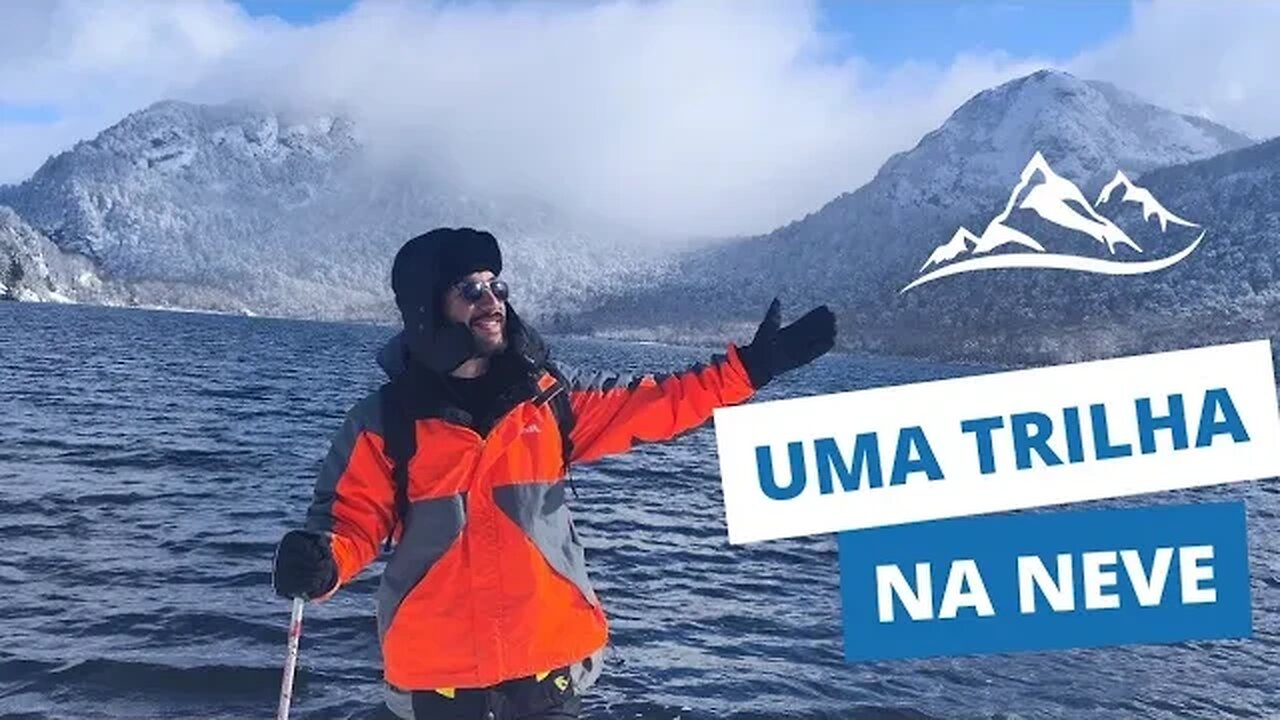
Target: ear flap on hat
{"points": [[440, 347]]}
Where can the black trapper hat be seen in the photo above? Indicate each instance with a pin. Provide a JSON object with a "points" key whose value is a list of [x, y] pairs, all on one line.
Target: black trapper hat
{"points": [[423, 269], [432, 261]]}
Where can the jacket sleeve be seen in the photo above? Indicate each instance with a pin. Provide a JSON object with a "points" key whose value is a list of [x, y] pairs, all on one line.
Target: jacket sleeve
{"points": [[613, 412], [354, 499]]}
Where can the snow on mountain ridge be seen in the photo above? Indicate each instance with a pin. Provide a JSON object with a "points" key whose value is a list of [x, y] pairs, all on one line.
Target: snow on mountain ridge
{"points": [[32, 268], [1087, 126], [236, 207], [87, 198]]}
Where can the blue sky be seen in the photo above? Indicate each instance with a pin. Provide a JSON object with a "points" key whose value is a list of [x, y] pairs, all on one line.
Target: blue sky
{"points": [[888, 33], [297, 11], [34, 114]]}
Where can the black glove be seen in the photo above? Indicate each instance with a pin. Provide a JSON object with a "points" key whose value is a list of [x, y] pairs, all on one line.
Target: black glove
{"points": [[774, 351], [304, 567]]}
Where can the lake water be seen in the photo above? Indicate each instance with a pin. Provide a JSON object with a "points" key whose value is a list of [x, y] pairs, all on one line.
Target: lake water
{"points": [[149, 461]]}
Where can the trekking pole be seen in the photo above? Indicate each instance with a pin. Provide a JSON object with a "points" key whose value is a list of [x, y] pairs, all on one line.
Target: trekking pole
{"points": [[291, 660]]}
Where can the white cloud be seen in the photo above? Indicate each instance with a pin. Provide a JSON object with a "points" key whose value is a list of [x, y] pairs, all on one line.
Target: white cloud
{"points": [[1215, 59], [24, 146], [91, 64], [80, 55], [703, 118]]}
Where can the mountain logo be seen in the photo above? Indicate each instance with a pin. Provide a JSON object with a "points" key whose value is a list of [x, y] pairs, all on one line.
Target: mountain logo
{"points": [[1042, 193]]}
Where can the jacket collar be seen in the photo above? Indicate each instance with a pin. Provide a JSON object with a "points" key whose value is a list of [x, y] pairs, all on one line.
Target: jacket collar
{"points": [[523, 341]]}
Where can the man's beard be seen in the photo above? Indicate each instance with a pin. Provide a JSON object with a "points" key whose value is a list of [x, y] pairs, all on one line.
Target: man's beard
{"points": [[488, 347]]}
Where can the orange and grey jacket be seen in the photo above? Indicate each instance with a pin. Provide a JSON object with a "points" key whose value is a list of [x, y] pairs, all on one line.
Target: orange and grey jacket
{"points": [[487, 581]]}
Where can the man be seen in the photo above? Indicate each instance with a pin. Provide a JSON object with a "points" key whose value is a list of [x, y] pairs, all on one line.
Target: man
{"points": [[485, 609]]}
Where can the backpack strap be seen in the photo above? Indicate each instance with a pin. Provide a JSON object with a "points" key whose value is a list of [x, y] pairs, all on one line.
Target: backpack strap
{"points": [[564, 418], [400, 443], [558, 397]]}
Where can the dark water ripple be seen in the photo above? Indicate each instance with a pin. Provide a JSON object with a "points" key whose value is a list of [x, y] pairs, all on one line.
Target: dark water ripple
{"points": [[149, 462]]}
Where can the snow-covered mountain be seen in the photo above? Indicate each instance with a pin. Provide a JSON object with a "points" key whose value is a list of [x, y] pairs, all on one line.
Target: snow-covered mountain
{"points": [[32, 268], [241, 208], [856, 252], [238, 208]]}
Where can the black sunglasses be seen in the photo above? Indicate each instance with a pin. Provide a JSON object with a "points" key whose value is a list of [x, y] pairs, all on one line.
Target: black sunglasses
{"points": [[473, 290]]}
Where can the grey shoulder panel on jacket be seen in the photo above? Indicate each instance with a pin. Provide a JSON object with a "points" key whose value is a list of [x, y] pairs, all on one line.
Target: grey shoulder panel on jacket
{"points": [[365, 415], [605, 381]]}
